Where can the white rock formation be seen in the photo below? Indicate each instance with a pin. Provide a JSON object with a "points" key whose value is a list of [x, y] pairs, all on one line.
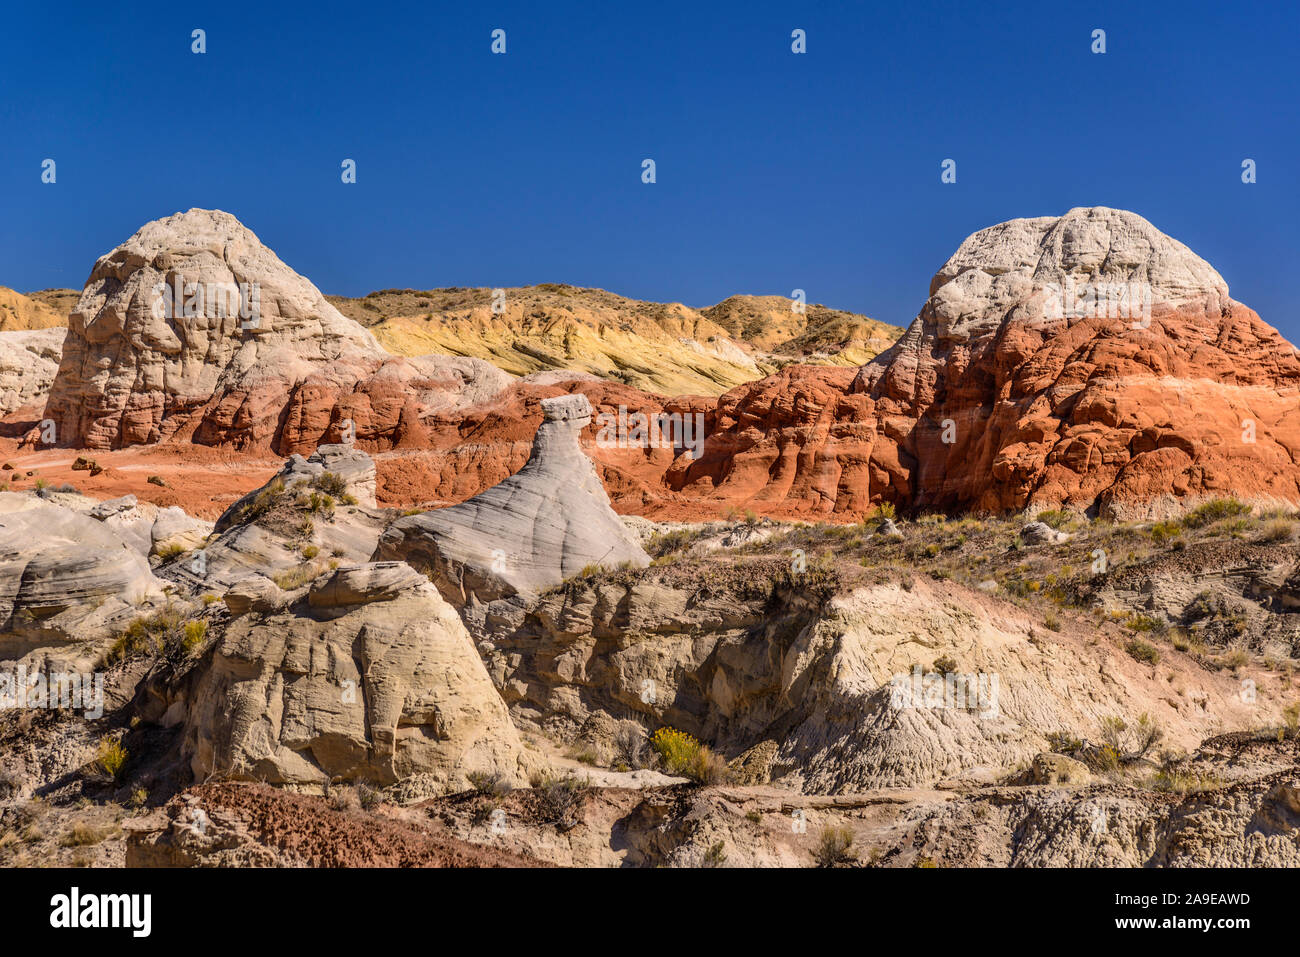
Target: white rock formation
{"points": [[63, 575], [28, 362], [194, 329], [547, 522], [372, 678]]}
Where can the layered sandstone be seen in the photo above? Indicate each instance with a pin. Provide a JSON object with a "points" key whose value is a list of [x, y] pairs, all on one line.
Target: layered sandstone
{"points": [[547, 522], [29, 360], [1003, 395], [663, 348], [372, 677], [193, 329]]}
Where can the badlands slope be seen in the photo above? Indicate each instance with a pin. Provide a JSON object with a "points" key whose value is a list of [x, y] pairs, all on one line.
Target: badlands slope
{"points": [[665, 348], [324, 678]]}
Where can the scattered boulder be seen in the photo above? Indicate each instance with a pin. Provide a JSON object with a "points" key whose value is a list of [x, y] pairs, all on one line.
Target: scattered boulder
{"points": [[1040, 533], [1051, 768], [173, 530], [387, 688], [888, 529], [256, 593]]}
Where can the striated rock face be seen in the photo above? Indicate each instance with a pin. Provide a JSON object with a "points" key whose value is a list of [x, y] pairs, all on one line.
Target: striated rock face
{"points": [[373, 677], [248, 353], [664, 348], [842, 696], [545, 523], [28, 362], [63, 575], [1086, 359]]}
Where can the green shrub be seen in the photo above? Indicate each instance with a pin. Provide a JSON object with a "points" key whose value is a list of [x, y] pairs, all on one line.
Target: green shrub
{"points": [[1140, 650], [331, 483], [684, 756], [834, 847], [1162, 532], [1215, 510], [295, 577], [263, 501], [111, 756]]}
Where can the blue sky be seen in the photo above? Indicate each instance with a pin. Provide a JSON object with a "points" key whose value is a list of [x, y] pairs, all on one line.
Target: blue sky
{"points": [[775, 171]]}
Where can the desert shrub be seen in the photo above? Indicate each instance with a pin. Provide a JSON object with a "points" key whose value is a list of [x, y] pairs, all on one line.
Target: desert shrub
{"points": [[1162, 532], [111, 756], [83, 834], [663, 544], [1054, 517], [1062, 742], [558, 797], [1276, 531], [193, 634], [1177, 776], [885, 511], [487, 782], [945, 666], [168, 552], [1215, 510], [715, 856], [368, 796], [1051, 622], [263, 501], [1144, 623], [834, 846], [331, 484], [165, 631], [1202, 606], [682, 755], [1291, 718], [630, 746], [1129, 742], [309, 551], [295, 577], [1234, 659], [1143, 651], [318, 503]]}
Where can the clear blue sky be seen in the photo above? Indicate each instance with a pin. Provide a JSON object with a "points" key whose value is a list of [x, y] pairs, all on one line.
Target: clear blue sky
{"points": [[775, 171]]}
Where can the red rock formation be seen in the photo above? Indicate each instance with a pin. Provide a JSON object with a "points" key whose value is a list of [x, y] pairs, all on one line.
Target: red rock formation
{"points": [[999, 397], [1086, 360]]}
